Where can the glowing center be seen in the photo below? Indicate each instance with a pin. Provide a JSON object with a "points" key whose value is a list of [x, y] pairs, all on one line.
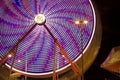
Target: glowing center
{"points": [[40, 18]]}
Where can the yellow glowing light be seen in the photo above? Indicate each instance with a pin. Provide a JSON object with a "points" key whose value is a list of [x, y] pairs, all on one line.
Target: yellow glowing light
{"points": [[63, 56], [79, 22], [10, 55], [85, 21], [40, 18]]}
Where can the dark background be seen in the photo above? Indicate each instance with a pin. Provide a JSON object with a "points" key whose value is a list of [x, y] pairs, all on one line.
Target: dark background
{"points": [[109, 11]]}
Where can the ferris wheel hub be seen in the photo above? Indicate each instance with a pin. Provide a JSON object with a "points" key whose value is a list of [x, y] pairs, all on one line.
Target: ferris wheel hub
{"points": [[40, 19]]}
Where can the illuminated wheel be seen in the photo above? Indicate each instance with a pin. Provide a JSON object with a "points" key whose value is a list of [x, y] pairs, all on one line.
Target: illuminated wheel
{"points": [[22, 29]]}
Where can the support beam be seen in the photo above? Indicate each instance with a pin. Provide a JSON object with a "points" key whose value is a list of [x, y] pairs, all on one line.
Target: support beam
{"points": [[63, 52], [54, 71], [14, 47], [13, 61], [73, 65]]}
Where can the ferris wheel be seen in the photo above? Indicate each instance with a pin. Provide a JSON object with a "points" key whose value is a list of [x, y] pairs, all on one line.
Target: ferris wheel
{"points": [[48, 37]]}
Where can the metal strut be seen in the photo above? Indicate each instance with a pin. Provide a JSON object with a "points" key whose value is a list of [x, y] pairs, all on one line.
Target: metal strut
{"points": [[63, 52], [14, 47], [13, 61], [81, 31], [54, 71]]}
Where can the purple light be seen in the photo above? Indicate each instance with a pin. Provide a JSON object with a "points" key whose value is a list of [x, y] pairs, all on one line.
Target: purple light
{"points": [[36, 50]]}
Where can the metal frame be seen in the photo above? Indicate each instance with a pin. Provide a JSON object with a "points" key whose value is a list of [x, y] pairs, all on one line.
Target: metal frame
{"points": [[62, 51]]}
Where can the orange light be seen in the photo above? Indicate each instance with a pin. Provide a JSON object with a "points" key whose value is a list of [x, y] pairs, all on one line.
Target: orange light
{"points": [[10, 55], [63, 56], [79, 22], [85, 21]]}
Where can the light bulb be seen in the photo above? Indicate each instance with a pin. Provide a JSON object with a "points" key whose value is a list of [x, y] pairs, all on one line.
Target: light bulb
{"points": [[40, 19]]}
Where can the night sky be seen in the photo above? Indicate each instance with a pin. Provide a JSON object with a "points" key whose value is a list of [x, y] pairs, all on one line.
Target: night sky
{"points": [[109, 11]]}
